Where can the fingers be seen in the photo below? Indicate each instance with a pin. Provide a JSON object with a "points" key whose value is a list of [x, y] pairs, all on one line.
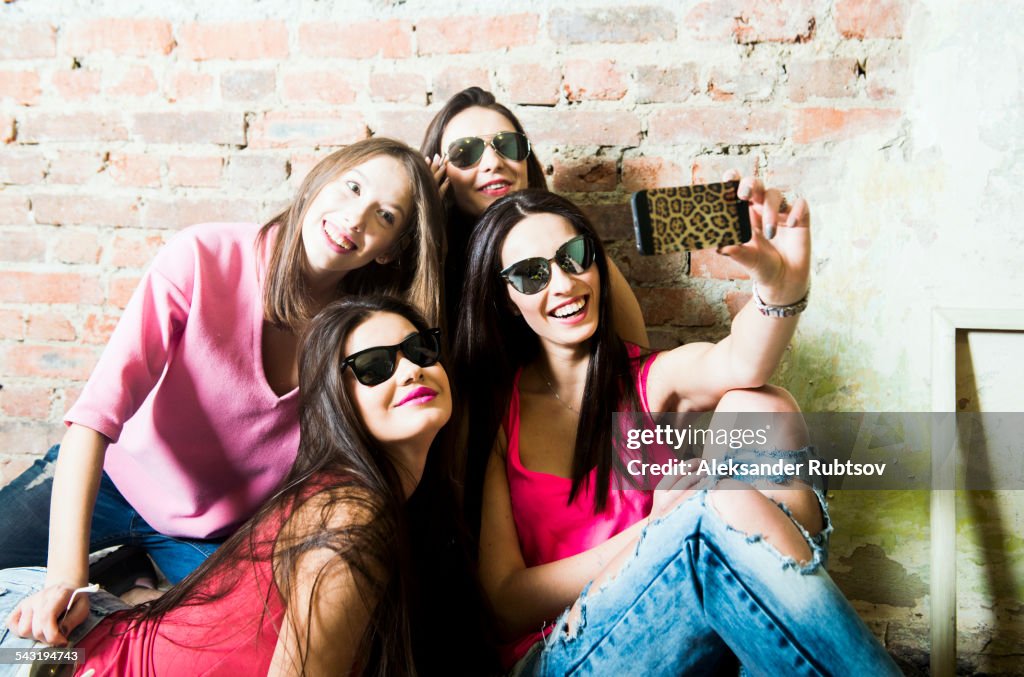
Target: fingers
{"points": [[40, 615], [799, 215]]}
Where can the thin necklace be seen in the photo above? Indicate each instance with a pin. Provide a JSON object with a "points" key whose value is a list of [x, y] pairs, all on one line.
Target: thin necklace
{"points": [[555, 393]]}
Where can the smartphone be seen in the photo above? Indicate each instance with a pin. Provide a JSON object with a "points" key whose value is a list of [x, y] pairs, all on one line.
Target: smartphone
{"points": [[685, 218]]}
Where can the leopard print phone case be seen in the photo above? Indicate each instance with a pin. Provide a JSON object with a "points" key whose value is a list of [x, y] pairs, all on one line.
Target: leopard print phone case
{"points": [[689, 217]]}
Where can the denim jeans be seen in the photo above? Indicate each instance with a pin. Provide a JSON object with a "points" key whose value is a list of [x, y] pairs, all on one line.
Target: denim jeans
{"points": [[24, 529], [17, 584], [696, 588]]}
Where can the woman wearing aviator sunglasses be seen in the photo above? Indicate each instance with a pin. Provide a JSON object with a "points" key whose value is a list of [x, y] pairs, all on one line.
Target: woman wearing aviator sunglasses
{"points": [[554, 518], [190, 418], [317, 582], [480, 152]]}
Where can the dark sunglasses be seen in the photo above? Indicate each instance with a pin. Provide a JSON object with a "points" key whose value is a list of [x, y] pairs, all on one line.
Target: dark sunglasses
{"points": [[466, 152], [375, 365], [530, 276]]}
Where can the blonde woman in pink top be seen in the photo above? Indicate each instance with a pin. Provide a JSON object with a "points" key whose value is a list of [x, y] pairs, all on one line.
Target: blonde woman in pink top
{"points": [[586, 574], [189, 420], [317, 582]]}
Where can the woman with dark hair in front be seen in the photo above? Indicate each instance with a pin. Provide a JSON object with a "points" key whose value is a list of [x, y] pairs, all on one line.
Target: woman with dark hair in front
{"points": [[480, 152], [189, 419], [317, 581], [560, 532]]}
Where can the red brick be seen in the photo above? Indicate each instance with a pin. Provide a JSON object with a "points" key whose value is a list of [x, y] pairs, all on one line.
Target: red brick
{"points": [[194, 171], [887, 76], [91, 127], [802, 169], [675, 306], [463, 34], [130, 37], [133, 249], [735, 300], [10, 468], [49, 361], [67, 396], [136, 81], [120, 289], [12, 325], [454, 79], [79, 84], [20, 87], [822, 78], [263, 173], [715, 126], [593, 80], [317, 86], [641, 173], [86, 210], [22, 245], [625, 24], [280, 129], [98, 327], [22, 434], [588, 174], [583, 128], [189, 86], [180, 212], [233, 40], [248, 85], [404, 125], [871, 18], [192, 127], [752, 21], [533, 84], [388, 39], [26, 400], [14, 209], [69, 245], [399, 88], [36, 40], [710, 264], [660, 270], [26, 287], [134, 169], [828, 124], [659, 84], [746, 83], [49, 327], [711, 168], [21, 166], [613, 222], [302, 163], [75, 167], [7, 132]]}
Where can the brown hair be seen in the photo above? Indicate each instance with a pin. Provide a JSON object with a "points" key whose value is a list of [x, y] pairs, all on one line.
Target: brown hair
{"points": [[415, 271]]}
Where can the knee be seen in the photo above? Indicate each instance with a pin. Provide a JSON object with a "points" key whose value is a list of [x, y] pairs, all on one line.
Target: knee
{"points": [[750, 512], [767, 399]]}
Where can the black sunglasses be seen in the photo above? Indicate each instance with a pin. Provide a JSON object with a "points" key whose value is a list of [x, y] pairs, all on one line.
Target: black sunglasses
{"points": [[530, 276], [466, 152], [375, 365]]}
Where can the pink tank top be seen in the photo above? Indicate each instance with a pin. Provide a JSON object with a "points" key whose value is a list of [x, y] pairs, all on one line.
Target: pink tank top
{"points": [[549, 527]]}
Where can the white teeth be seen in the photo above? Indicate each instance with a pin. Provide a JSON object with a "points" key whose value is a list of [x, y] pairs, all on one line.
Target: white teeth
{"points": [[339, 240], [496, 186], [571, 309]]}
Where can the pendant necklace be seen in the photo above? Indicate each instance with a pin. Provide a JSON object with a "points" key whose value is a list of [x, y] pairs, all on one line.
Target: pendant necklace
{"points": [[555, 393]]}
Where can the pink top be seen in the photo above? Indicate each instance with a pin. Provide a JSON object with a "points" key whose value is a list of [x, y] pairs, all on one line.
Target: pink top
{"points": [[550, 528], [199, 439]]}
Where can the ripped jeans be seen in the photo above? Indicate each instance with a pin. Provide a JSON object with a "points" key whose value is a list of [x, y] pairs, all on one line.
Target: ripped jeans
{"points": [[695, 588]]}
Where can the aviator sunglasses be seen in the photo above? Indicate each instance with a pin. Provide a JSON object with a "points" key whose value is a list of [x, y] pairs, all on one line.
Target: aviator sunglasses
{"points": [[530, 276], [467, 151], [375, 365]]}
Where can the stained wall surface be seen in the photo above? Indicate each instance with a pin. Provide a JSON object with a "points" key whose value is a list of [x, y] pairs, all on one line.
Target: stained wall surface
{"points": [[900, 122]]}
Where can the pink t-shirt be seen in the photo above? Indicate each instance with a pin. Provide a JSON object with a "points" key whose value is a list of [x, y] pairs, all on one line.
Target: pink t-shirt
{"points": [[550, 528], [199, 439]]}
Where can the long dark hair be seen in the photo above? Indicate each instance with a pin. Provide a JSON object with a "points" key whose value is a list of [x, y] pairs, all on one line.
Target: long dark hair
{"points": [[338, 455], [491, 344], [415, 271], [459, 225]]}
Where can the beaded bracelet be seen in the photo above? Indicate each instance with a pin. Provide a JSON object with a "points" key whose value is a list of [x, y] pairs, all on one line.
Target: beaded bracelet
{"points": [[779, 311]]}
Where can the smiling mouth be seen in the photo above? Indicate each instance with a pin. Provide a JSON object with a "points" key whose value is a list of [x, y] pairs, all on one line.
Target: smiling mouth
{"points": [[571, 309], [337, 237], [495, 186], [421, 395]]}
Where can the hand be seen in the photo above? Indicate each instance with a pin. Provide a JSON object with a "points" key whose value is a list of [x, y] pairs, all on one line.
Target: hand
{"points": [[674, 489], [778, 254], [438, 167], [39, 616]]}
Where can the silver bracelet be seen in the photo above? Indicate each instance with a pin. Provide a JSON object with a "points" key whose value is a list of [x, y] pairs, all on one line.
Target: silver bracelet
{"points": [[779, 311]]}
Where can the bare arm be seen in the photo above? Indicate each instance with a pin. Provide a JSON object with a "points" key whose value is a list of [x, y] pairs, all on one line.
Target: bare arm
{"points": [[524, 597], [76, 481], [627, 318]]}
